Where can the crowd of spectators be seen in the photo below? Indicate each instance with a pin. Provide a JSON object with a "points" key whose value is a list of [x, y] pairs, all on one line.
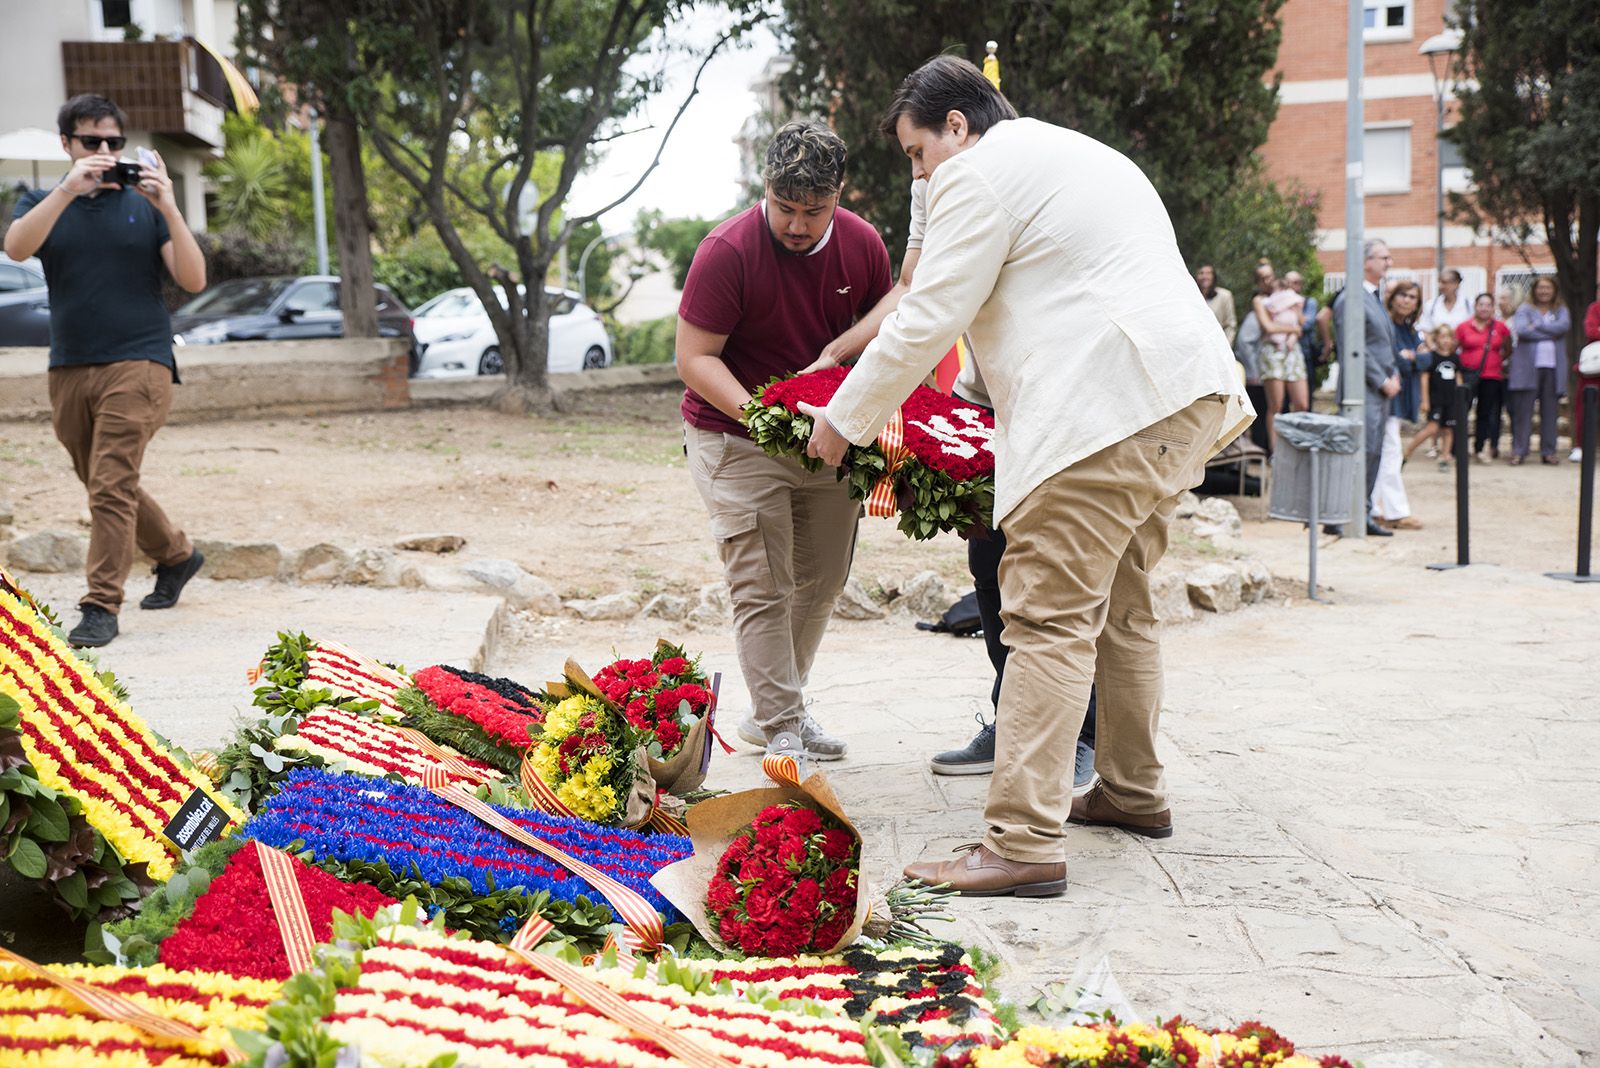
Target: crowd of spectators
{"points": [[1508, 348]]}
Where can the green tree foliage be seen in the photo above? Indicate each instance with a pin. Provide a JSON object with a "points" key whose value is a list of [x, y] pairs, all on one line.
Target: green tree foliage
{"points": [[251, 186], [652, 341], [674, 239], [1528, 82], [1256, 220], [466, 98], [1180, 87]]}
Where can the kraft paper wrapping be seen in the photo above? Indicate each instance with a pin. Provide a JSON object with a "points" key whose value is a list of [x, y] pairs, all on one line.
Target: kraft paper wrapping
{"points": [[715, 823]]}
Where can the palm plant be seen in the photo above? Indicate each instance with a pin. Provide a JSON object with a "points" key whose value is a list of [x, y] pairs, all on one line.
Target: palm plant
{"points": [[252, 187]]}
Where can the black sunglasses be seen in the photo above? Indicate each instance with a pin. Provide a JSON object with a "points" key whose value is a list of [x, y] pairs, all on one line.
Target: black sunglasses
{"points": [[93, 142]]}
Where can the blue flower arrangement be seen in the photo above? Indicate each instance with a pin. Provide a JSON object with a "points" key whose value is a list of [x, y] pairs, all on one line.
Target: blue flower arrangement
{"points": [[358, 818]]}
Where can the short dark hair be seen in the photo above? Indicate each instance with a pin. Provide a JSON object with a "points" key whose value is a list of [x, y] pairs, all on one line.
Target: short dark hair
{"points": [[89, 107], [1450, 273], [805, 159], [940, 86]]}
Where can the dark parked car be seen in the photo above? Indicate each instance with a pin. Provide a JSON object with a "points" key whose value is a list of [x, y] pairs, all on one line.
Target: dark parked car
{"points": [[24, 304], [280, 309]]}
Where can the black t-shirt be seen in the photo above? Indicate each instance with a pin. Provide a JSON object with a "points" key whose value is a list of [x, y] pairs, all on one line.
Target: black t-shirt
{"points": [[102, 262]]}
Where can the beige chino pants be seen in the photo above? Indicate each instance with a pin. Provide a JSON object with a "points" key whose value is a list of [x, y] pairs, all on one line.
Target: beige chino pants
{"points": [[1075, 596], [105, 415], [786, 537]]}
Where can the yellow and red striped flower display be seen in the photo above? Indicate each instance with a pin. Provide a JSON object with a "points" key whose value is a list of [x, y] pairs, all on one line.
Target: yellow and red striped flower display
{"points": [[81, 740], [421, 995], [372, 747], [346, 673], [44, 1026]]}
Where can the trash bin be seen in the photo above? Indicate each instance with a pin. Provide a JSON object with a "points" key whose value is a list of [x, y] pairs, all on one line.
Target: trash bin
{"points": [[1308, 440]]}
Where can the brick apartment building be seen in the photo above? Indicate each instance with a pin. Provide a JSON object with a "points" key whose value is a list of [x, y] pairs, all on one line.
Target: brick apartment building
{"points": [[1306, 143]]}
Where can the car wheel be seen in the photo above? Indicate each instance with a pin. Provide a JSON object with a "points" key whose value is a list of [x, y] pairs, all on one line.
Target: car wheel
{"points": [[490, 362], [594, 358]]}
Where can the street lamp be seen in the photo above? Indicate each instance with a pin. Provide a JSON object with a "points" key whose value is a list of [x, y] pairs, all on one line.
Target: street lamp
{"points": [[1440, 47], [583, 262]]}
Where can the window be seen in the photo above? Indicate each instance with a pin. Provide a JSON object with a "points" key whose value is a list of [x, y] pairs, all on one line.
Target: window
{"points": [[314, 297], [1457, 178], [116, 14], [15, 279], [1386, 20], [1387, 152]]}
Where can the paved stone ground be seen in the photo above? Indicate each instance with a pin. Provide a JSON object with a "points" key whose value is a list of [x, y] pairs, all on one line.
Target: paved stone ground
{"points": [[1386, 835]]}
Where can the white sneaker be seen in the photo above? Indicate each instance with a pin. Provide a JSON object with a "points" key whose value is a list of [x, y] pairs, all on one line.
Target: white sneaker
{"points": [[1574, 456], [749, 731], [818, 743]]}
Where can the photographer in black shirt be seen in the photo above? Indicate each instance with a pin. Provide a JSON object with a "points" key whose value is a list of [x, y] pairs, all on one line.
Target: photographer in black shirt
{"points": [[104, 234]]}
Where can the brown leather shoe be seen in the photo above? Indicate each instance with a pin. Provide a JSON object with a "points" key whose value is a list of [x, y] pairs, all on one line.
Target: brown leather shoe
{"points": [[1410, 522], [1094, 809], [981, 872]]}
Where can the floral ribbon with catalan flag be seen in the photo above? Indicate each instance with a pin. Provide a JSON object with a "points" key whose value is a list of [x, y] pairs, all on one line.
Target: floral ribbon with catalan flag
{"points": [[645, 929], [881, 503]]}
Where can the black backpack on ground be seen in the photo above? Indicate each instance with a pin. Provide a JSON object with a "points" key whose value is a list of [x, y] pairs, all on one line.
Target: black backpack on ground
{"points": [[960, 619]]}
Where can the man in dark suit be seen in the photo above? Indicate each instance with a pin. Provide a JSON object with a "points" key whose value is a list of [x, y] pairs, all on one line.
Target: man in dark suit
{"points": [[1382, 380]]}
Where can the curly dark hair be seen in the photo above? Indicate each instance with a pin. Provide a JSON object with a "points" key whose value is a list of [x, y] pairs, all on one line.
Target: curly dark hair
{"points": [[805, 160]]}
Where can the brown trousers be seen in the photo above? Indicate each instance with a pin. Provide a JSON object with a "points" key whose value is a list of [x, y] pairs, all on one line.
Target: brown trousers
{"points": [[105, 414], [1075, 595], [786, 536]]}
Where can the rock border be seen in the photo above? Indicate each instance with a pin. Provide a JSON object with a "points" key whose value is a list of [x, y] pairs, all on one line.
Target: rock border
{"points": [[430, 561]]}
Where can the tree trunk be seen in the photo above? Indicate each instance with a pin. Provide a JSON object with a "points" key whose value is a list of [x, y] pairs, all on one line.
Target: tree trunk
{"points": [[527, 387], [351, 226]]}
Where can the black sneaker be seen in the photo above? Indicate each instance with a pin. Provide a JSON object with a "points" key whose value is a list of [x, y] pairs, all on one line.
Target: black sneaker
{"points": [[97, 628], [975, 758], [170, 581]]}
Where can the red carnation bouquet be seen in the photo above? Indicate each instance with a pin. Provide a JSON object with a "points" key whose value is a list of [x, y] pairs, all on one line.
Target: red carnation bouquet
{"points": [[787, 884], [780, 871], [938, 475], [664, 697]]}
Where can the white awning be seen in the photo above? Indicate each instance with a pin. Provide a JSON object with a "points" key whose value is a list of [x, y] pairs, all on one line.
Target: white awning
{"points": [[32, 144]]}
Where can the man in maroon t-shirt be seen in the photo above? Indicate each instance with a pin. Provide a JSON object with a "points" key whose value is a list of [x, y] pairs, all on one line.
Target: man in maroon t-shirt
{"points": [[767, 290]]}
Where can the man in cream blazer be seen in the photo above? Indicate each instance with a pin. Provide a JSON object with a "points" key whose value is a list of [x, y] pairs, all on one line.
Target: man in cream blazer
{"points": [[1112, 384]]}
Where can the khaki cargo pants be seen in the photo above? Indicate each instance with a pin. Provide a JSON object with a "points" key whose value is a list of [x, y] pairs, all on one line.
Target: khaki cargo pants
{"points": [[1075, 599], [105, 414], [786, 536]]}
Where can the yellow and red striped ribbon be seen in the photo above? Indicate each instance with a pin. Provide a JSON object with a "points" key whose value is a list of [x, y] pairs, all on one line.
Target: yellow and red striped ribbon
{"points": [[781, 768], [451, 761], [544, 799], [615, 1007], [288, 907], [120, 1009], [531, 933], [892, 443], [640, 916]]}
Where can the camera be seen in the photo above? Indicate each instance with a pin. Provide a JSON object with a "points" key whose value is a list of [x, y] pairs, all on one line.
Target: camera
{"points": [[125, 173]]}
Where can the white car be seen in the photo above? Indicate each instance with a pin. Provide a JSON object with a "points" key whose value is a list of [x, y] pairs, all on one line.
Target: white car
{"points": [[456, 338]]}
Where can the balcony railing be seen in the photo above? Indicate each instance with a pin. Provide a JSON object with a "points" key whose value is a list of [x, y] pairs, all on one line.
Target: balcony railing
{"points": [[167, 87]]}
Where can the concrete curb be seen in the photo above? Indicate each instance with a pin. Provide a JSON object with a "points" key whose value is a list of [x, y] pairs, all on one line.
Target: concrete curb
{"points": [[452, 392]]}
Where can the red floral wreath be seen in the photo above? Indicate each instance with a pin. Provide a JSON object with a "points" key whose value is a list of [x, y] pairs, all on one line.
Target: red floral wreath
{"points": [[943, 432]]}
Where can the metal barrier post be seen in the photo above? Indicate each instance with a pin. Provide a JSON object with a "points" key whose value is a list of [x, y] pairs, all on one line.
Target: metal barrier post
{"points": [[1591, 434], [1463, 458]]}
